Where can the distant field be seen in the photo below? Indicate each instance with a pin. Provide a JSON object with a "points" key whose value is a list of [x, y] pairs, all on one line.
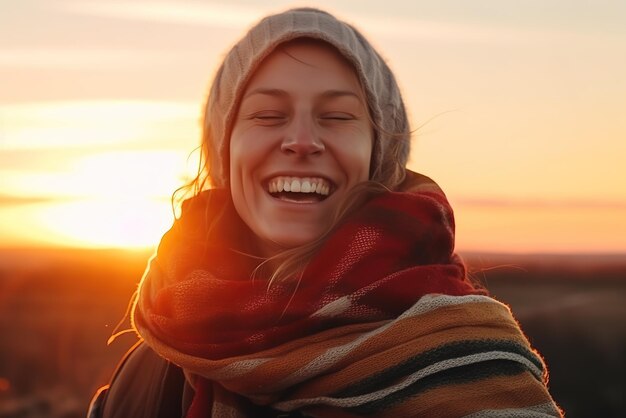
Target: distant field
{"points": [[59, 307]]}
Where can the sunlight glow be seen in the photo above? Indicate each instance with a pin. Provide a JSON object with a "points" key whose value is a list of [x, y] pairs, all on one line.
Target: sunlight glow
{"points": [[114, 175], [87, 223], [105, 223], [110, 199], [117, 164], [130, 174], [88, 124]]}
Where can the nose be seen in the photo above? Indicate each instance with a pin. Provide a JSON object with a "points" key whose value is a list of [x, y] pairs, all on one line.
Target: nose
{"points": [[302, 139]]}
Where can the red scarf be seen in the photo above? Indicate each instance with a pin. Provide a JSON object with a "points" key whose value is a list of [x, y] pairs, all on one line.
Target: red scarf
{"points": [[198, 301]]}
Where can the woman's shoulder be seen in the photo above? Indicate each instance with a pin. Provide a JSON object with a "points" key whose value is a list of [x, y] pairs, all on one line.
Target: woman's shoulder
{"points": [[147, 385], [143, 385]]}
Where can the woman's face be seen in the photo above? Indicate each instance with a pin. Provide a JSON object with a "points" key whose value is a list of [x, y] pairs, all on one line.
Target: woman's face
{"points": [[301, 140]]}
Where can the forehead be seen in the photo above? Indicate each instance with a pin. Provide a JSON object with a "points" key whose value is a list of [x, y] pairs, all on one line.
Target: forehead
{"points": [[305, 63], [314, 48]]}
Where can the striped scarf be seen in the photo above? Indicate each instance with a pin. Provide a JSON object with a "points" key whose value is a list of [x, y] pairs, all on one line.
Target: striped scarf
{"points": [[383, 321]]}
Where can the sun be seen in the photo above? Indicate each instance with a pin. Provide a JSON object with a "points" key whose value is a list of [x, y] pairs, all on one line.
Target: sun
{"points": [[125, 198], [108, 223], [113, 199], [94, 174]]}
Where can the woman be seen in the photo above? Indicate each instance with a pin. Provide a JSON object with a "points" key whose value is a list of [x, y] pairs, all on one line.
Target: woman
{"points": [[316, 276]]}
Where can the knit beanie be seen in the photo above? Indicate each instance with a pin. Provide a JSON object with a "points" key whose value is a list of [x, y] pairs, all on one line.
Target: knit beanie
{"points": [[391, 128]]}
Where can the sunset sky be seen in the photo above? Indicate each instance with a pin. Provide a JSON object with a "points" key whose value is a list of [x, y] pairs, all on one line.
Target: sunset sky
{"points": [[520, 105]]}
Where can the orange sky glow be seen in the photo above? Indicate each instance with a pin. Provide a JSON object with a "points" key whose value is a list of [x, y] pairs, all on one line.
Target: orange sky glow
{"points": [[518, 109]]}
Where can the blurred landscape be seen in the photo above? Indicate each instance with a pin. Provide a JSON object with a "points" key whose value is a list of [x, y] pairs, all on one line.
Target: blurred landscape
{"points": [[58, 308]]}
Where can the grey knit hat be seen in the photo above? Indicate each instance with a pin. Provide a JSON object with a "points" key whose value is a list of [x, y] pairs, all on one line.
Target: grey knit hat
{"points": [[391, 140]]}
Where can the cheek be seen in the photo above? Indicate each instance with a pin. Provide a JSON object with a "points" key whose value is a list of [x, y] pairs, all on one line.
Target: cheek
{"points": [[355, 155], [248, 151], [237, 156], [238, 164], [243, 155]]}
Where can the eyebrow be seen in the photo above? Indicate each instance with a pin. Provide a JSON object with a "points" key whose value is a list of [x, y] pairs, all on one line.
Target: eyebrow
{"points": [[267, 92], [331, 94]]}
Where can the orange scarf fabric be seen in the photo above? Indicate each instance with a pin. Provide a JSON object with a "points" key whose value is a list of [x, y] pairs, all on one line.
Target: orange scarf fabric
{"points": [[357, 315]]}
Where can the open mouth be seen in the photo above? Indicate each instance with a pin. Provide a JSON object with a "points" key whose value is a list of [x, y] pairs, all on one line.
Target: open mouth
{"points": [[299, 189]]}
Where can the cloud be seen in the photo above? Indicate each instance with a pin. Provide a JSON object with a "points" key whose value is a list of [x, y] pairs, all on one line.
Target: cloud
{"points": [[85, 124], [81, 59], [12, 200], [237, 16], [210, 14]]}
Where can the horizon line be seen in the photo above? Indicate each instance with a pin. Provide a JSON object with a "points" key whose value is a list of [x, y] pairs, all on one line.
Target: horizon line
{"points": [[9, 199]]}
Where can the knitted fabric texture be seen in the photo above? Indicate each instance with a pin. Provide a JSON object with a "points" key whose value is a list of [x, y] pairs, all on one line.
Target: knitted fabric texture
{"points": [[383, 321], [445, 356], [383, 95]]}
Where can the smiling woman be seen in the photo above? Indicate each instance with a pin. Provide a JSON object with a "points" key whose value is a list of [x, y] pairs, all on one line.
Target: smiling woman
{"points": [[265, 299]]}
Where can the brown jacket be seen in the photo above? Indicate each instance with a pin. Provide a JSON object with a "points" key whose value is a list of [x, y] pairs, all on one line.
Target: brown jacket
{"points": [[146, 385]]}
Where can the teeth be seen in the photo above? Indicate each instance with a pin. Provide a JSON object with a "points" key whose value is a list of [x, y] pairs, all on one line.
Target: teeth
{"points": [[299, 185], [295, 186]]}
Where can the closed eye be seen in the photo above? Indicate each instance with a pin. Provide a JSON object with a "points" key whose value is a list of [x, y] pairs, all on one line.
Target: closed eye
{"points": [[268, 118], [337, 116]]}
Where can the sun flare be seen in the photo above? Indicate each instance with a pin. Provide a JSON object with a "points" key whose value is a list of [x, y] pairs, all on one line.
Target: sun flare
{"points": [[124, 198], [99, 223], [109, 199]]}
